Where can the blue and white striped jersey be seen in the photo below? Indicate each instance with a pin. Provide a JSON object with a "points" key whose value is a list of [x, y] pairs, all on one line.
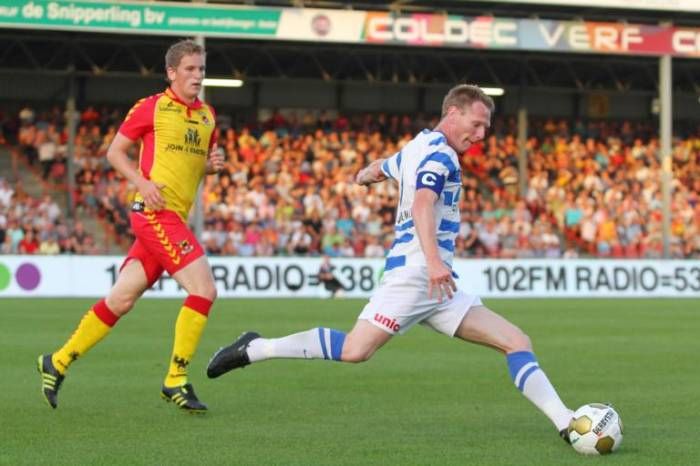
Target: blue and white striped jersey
{"points": [[427, 161]]}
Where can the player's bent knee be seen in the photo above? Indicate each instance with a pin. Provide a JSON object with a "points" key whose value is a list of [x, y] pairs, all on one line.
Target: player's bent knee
{"points": [[120, 305], [518, 341], [356, 355], [210, 293], [206, 290]]}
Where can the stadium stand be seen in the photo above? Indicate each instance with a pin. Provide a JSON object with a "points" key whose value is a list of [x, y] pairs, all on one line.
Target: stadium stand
{"points": [[593, 187], [37, 226]]}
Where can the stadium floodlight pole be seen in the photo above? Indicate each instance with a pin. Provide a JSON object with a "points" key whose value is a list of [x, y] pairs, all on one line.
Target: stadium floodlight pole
{"points": [[198, 214], [71, 126], [522, 135], [666, 132], [522, 150]]}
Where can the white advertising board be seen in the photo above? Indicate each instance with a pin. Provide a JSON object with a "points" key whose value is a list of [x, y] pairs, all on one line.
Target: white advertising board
{"points": [[287, 277], [236, 277]]}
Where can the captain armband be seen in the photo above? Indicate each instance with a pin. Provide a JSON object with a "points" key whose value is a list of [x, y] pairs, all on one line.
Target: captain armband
{"points": [[430, 180]]}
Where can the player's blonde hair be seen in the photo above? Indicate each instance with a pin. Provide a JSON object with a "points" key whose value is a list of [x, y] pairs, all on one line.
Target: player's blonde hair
{"points": [[463, 95], [179, 49]]}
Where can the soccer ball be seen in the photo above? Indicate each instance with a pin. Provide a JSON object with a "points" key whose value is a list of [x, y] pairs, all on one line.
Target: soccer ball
{"points": [[596, 429]]}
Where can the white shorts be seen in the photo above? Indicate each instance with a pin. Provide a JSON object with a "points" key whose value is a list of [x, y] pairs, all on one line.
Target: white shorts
{"points": [[401, 301]]}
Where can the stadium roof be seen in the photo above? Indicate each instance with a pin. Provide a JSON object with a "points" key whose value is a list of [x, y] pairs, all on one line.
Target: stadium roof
{"points": [[89, 54], [513, 9]]}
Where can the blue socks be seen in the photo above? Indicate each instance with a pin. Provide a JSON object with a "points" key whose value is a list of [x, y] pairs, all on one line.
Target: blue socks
{"points": [[534, 384], [521, 365], [317, 343], [331, 343]]}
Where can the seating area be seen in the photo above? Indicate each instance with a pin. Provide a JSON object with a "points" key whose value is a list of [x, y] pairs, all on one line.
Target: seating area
{"points": [[593, 188], [38, 226]]}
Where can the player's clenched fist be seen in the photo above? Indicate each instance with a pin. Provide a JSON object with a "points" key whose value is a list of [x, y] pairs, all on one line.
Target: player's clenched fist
{"points": [[215, 161], [151, 194]]}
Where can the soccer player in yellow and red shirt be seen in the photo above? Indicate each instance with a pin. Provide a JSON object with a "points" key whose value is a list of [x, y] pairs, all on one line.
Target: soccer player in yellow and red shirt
{"points": [[177, 148]]}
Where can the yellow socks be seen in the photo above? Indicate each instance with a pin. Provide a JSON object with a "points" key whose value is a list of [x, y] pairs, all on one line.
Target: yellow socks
{"points": [[93, 327], [188, 329], [99, 320]]}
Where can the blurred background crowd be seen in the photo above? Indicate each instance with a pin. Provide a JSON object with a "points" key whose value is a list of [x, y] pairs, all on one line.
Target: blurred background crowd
{"points": [[592, 187]]}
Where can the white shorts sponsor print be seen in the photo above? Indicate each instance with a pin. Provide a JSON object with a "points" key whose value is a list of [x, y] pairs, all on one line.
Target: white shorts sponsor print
{"points": [[401, 301]]}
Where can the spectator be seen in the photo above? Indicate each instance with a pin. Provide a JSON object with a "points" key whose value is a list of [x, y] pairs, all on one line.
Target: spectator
{"points": [[298, 168], [300, 241], [6, 193], [49, 246], [326, 276], [28, 244]]}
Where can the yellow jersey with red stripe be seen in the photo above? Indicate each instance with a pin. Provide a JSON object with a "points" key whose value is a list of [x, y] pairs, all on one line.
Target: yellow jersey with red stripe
{"points": [[175, 143]]}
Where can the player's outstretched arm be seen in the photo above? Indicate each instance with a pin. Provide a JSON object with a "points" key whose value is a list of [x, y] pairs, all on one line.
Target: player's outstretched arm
{"points": [[440, 281], [372, 173], [118, 157]]}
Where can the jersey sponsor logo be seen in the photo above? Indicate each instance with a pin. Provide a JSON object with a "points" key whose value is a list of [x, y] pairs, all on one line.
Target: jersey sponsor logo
{"points": [[403, 216], [174, 147], [192, 137], [391, 324], [192, 141], [170, 107]]}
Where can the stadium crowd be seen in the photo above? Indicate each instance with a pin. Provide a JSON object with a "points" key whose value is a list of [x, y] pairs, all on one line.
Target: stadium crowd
{"points": [[37, 226], [593, 188]]}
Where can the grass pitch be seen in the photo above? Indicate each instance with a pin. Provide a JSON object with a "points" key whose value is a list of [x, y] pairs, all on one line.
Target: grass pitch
{"points": [[423, 399]]}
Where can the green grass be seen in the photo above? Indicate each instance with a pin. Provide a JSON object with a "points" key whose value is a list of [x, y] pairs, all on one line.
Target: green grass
{"points": [[423, 399]]}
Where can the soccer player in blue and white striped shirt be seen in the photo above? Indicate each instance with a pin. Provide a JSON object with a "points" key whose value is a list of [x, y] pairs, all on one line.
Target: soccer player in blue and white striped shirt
{"points": [[418, 284]]}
